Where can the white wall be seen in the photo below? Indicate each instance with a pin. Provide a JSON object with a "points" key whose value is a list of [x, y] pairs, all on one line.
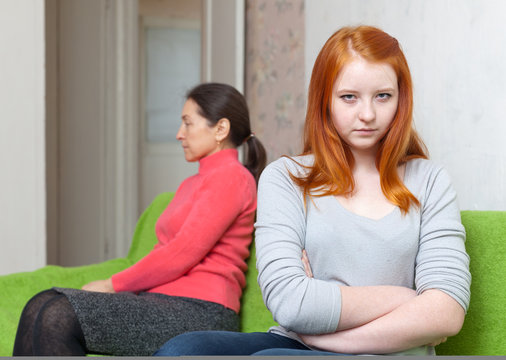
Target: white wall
{"points": [[457, 55], [22, 145]]}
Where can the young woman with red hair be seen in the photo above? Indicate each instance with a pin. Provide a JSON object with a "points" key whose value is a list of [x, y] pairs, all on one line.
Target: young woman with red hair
{"points": [[359, 241]]}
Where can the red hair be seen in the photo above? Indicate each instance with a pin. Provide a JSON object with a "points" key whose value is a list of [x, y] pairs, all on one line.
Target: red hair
{"points": [[331, 172]]}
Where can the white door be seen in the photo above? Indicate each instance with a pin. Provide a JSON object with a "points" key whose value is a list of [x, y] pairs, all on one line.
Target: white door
{"points": [[181, 45]]}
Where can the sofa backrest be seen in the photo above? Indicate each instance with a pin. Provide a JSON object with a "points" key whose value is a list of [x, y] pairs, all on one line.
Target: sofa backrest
{"points": [[254, 313], [144, 237], [484, 330]]}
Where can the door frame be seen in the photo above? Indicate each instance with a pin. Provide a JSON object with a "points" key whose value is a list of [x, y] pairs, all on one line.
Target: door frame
{"points": [[120, 109]]}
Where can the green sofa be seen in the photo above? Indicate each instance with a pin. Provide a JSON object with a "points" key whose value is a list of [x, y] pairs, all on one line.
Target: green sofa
{"points": [[484, 331]]}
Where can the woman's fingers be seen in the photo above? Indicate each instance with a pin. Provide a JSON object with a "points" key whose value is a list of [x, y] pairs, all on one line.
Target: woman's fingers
{"points": [[439, 341], [305, 263]]}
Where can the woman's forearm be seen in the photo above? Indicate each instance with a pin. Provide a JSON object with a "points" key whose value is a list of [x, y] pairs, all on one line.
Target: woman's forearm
{"points": [[425, 319], [363, 304]]}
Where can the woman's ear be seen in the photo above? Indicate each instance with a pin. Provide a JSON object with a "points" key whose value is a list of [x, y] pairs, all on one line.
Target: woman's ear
{"points": [[222, 129]]}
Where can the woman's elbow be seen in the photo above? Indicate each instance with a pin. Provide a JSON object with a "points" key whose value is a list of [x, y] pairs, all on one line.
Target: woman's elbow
{"points": [[455, 322], [450, 315], [301, 319], [288, 317]]}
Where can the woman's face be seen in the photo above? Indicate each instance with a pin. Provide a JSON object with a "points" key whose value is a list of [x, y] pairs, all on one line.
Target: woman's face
{"points": [[364, 102], [197, 137]]}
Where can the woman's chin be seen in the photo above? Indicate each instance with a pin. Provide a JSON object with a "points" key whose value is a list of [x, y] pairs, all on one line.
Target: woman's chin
{"points": [[189, 158]]}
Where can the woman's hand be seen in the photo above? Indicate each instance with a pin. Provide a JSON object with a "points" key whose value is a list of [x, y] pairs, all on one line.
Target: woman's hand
{"points": [[104, 286], [305, 262], [437, 342], [314, 341]]}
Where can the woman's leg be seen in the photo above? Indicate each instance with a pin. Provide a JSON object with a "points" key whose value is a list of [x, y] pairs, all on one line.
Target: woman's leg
{"points": [[24, 335], [48, 326], [224, 343], [57, 331], [295, 352]]}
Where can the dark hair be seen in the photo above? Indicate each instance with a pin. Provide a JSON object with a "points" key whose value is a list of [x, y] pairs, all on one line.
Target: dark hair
{"points": [[217, 101]]}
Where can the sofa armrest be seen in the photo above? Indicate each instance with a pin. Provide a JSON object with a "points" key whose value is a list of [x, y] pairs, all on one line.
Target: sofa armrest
{"points": [[18, 288]]}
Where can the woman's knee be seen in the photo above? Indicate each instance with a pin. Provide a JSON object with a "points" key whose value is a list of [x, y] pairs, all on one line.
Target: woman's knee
{"points": [[295, 352], [35, 304], [223, 343], [211, 343], [38, 300], [50, 315], [191, 343]]}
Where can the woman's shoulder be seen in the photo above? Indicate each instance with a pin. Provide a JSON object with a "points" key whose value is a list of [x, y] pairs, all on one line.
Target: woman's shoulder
{"points": [[425, 177], [296, 165], [237, 169], [278, 176], [420, 168], [230, 173]]}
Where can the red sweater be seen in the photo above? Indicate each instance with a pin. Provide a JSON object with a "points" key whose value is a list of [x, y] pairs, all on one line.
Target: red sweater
{"points": [[203, 237]]}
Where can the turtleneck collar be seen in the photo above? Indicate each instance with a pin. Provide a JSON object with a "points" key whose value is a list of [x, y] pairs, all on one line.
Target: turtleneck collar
{"points": [[215, 160]]}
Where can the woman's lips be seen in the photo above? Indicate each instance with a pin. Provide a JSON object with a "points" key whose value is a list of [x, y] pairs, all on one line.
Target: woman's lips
{"points": [[365, 131]]}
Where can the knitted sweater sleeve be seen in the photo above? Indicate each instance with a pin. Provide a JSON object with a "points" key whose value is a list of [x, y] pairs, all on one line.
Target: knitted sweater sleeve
{"points": [[221, 198], [442, 262], [297, 302]]}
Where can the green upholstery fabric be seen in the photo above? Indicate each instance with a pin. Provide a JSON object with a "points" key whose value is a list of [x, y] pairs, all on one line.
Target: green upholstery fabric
{"points": [[483, 332], [254, 314], [144, 235], [17, 289]]}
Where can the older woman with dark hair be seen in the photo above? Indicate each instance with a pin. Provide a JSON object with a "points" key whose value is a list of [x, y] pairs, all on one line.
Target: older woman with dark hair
{"points": [[194, 276]]}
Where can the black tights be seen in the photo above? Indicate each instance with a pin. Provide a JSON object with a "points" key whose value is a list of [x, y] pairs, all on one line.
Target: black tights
{"points": [[49, 326]]}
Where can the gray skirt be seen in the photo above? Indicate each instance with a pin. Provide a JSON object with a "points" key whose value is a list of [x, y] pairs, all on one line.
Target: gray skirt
{"points": [[132, 324]]}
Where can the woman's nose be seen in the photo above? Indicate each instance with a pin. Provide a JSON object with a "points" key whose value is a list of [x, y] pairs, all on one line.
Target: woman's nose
{"points": [[179, 135], [367, 112]]}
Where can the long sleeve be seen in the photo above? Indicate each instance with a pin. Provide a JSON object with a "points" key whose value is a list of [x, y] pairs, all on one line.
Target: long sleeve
{"points": [[297, 302], [221, 202], [442, 262]]}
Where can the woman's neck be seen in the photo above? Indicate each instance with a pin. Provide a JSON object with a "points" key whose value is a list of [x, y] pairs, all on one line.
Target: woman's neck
{"points": [[364, 161]]}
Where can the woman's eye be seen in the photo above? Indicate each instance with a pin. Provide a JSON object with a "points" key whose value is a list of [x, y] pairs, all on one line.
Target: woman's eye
{"points": [[348, 97], [384, 96]]}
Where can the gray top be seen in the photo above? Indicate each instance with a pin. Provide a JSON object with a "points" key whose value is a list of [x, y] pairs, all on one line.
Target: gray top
{"points": [[421, 250]]}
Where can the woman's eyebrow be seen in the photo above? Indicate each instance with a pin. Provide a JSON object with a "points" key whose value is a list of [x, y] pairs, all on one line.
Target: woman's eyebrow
{"points": [[382, 89], [386, 89], [346, 90]]}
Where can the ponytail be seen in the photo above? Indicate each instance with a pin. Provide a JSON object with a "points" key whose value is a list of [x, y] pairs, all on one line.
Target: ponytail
{"points": [[255, 157]]}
